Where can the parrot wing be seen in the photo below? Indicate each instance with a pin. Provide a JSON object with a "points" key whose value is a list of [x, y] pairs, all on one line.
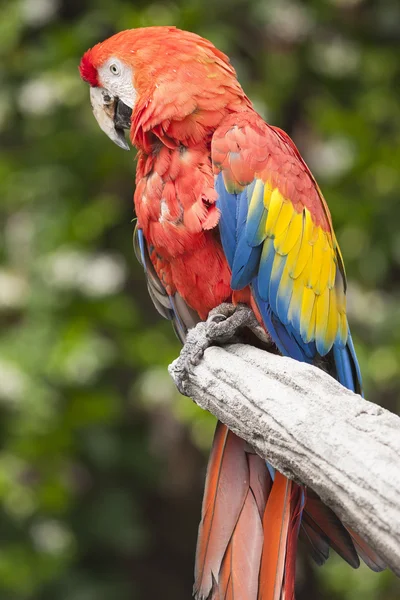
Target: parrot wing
{"points": [[172, 307], [277, 236]]}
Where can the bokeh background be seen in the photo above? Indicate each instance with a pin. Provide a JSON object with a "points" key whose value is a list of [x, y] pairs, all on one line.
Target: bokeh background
{"points": [[101, 462]]}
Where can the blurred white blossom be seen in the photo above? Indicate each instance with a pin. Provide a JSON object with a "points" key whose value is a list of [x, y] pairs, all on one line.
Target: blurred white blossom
{"points": [[368, 307], [14, 290], [156, 387], [331, 158], [38, 12], [336, 57], [92, 274], [38, 96], [286, 20], [13, 383], [51, 537], [18, 234], [41, 95]]}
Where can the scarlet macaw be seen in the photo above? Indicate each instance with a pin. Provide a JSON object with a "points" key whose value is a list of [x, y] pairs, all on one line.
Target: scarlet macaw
{"points": [[228, 210]]}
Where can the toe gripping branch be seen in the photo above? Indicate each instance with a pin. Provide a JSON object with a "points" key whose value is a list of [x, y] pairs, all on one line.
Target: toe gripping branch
{"points": [[226, 324]]}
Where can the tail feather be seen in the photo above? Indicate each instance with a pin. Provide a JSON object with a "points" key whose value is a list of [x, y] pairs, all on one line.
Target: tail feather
{"points": [[224, 589], [321, 528], [296, 510], [317, 544], [369, 556], [251, 519], [260, 481], [227, 484], [238, 578], [276, 527], [240, 568], [326, 524]]}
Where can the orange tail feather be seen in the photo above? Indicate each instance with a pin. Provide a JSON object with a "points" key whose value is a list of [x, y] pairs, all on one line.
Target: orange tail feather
{"points": [[238, 578], [246, 549], [227, 483], [230, 534], [276, 526], [296, 510]]}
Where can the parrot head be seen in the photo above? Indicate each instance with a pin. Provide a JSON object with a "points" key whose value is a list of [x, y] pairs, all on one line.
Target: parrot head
{"points": [[109, 71], [147, 78]]}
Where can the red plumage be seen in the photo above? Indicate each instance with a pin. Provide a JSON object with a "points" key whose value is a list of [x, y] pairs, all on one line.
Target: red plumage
{"points": [[276, 525], [267, 153], [227, 477], [87, 70]]}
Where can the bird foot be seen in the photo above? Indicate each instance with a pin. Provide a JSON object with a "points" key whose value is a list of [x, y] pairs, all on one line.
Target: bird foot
{"points": [[225, 324]]}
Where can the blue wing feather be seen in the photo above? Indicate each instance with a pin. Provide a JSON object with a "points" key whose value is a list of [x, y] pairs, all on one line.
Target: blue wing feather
{"points": [[255, 226], [242, 258], [227, 204], [253, 261], [265, 270]]}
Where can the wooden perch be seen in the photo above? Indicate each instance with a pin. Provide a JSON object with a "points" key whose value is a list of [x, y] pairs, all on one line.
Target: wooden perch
{"points": [[306, 425]]}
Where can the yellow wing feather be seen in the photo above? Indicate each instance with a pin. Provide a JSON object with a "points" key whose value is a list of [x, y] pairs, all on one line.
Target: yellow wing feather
{"points": [[306, 286], [275, 205]]}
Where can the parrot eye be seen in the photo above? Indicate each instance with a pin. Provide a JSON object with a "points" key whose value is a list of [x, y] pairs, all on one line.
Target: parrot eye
{"points": [[115, 70]]}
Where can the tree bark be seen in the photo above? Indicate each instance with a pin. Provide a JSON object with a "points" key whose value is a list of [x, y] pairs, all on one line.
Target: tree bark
{"points": [[307, 426]]}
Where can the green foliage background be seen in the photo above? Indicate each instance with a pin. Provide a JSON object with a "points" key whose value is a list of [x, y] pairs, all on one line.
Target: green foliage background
{"points": [[101, 463]]}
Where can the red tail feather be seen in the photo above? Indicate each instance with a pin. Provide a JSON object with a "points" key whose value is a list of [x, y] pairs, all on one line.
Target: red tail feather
{"points": [[227, 484], [369, 556], [296, 509], [276, 527], [239, 573], [230, 534], [324, 522], [260, 481], [247, 542], [224, 585]]}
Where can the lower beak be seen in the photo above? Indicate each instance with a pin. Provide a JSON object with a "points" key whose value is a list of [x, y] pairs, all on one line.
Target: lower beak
{"points": [[112, 115]]}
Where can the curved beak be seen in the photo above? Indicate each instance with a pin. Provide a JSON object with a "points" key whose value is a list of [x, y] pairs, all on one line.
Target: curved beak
{"points": [[112, 115]]}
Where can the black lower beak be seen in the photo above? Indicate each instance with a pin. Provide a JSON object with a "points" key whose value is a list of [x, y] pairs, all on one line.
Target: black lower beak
{"points": [[122, 116]]}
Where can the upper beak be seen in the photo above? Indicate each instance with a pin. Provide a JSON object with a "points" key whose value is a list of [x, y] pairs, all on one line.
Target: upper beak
{"points": [[112, 115]]}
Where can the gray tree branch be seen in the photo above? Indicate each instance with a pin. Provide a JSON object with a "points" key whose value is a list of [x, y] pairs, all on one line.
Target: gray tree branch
{"points": [[306, 425]]}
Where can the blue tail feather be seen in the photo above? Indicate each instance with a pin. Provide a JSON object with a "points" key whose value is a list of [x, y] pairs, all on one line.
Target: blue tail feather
{"points": [[347, 367]]}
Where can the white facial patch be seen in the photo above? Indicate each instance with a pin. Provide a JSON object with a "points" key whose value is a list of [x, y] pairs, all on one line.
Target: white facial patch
{"points": [[117, 77]]}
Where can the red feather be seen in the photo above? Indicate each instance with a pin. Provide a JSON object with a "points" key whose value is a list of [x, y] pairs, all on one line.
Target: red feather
{"points": [[231, 532], [296, 509], [175, 117], [239, 572], [227, 484], [276, 527], [87, 70], [260, 481], [369, 556], [324, 522]]}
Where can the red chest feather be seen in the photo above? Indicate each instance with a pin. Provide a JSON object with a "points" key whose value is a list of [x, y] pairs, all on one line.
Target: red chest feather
{"points": [[175, 206]]}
